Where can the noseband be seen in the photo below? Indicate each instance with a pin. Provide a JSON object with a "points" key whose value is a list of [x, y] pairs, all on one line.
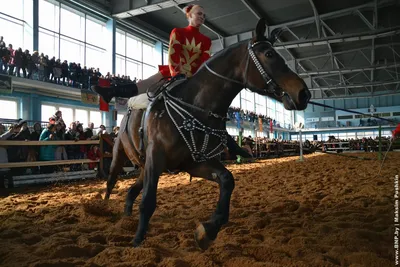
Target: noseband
{"points": [[276, 90]]}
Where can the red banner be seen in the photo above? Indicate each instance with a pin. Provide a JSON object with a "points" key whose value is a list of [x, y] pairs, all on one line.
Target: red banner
{"points": [[103, 104]]}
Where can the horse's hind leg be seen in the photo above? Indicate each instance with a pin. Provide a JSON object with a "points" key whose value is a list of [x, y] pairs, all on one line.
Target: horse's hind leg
{"points": [[116, 166], [155, 163], [133, 192], [214, 171]]}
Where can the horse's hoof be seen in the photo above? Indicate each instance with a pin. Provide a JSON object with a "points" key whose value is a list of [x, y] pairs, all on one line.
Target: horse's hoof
{"points": [[107, 196], [202, 240], [136, 243], [127, 212]]}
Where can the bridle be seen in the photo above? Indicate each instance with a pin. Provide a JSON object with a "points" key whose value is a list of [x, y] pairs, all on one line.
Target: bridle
{"points": [[276, 89]]}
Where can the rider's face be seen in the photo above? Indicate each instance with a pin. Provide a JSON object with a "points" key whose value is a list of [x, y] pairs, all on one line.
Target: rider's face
{"points": [[197, 16]]}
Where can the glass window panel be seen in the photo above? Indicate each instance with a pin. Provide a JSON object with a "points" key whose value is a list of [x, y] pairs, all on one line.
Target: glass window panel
{"points": [[232, 130], [67, 115], [165, 56], [13, 32], [120, 65], [120, 42], [133, 69], [72, 23], [48, 43], [119, 118], [47, 112], [95, 32], [49, 16], [148, 71], [133, 48], [95, 117], [9, 109], [14, 9], [95, 59], [71, 50], [148, 54], [236, 101], [81, 115]]}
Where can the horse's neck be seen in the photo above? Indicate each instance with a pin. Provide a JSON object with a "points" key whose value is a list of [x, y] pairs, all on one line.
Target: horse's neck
{"points": [[213, 93]]}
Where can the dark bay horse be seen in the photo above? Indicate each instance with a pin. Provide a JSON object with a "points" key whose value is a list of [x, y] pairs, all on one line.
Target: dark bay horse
{"points": [[186, 128]]}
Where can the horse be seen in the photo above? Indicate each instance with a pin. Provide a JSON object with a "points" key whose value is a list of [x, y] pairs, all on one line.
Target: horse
{"points": [[185, 127]]}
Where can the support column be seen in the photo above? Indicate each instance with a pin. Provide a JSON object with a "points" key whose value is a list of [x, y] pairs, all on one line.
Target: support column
{"points": [[35, 25], [111, 27]]}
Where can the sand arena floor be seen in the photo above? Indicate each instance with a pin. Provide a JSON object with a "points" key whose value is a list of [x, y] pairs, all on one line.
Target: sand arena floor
{"points": [[326, 211]]}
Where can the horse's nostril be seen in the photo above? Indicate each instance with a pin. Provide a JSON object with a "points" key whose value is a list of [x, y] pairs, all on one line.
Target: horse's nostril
{"points": [[304, 95]]}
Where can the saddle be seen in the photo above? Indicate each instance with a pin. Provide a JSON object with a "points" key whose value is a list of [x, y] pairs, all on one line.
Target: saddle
{"points": [[154, 97]]}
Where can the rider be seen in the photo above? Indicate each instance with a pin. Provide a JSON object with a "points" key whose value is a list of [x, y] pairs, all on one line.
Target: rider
{"points": [[188, 50]]}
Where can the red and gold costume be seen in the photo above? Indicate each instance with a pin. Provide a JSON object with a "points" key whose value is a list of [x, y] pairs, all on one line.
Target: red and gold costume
{"points": [[188, 50]]}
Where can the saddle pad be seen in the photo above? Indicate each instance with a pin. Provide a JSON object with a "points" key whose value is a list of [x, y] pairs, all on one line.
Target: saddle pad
{"points": [[138, 102]]}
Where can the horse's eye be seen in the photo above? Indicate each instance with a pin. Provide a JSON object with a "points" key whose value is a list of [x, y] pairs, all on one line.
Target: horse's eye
{"points": [[269, 54]]}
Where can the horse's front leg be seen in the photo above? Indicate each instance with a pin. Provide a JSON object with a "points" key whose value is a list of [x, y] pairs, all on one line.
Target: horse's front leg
{"points": [[155, 162], [213, 170]]}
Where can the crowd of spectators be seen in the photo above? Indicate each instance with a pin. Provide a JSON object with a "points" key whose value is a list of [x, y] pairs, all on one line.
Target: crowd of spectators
{"points": [[251, 117], [38, 66], [53, 130]]}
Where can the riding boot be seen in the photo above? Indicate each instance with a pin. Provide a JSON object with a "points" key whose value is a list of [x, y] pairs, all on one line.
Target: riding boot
{"points": [[235, 149], [122, 90]]}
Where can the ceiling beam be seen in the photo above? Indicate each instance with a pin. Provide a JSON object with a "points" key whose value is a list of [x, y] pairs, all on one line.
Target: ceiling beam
{"points": [[334, 14], [356, 85], [251, 8], [349, 51], [124, 9], [340, 38], [317, 19], [348, 70]]}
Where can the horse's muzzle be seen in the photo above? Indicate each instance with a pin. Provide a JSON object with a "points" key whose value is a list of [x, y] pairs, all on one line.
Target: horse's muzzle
{"points": [[300, 103]]}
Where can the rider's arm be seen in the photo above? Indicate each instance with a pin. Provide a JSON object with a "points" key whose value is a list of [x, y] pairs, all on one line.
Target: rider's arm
{"points": [[174, 52], [207, 50]]}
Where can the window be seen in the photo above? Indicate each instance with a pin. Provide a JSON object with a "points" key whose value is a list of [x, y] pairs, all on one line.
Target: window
{"points": [[13, 31], [120, 43], [148, 71], [72, 23], [49, 16], [47, 112], [95, 32], [119, 118], [247, 100], [95, 117], [71, 50], [9, 109], [165, 56], [95, 59], [67, 115], [49, 43], [236, 101], [82, 116], [133, 69], [148, 54], [261, 104], [396, 113], [133, 48], [16, 9]]}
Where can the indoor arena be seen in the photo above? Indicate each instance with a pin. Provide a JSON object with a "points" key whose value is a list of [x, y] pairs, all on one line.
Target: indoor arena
{"points": [[200, 133]]}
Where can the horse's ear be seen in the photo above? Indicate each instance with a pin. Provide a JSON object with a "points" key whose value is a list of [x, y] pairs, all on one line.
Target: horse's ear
{"points": [[260, 29], [275, 35]]}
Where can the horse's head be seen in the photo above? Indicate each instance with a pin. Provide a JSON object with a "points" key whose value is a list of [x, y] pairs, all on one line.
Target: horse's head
{"points": [[267, 73]]}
